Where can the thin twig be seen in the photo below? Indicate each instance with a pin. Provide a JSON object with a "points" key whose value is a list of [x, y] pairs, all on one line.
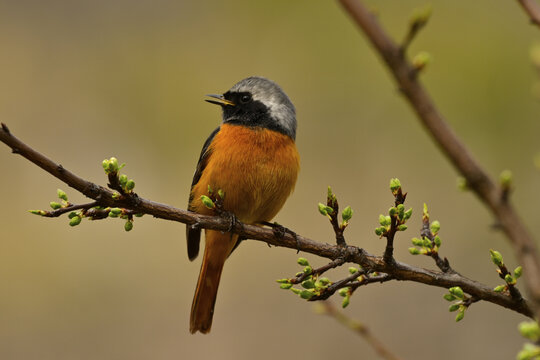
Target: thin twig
{"points": [[363, 331], [532, 9], [477, 178]]}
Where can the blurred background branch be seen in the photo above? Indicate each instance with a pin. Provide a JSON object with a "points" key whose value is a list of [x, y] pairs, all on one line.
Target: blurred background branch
{"points": [[532, 9], [477, 178]]}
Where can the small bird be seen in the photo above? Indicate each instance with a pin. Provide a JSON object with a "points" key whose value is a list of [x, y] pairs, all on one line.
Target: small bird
{"points": [[252, 158]]}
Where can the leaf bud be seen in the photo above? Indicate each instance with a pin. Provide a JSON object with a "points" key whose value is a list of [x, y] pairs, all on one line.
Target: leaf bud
{"points": [[221, 194], [346, 301], [54, 205], [402, 227], [380, 231], [308, 270], [322, 209], [496, 257], [130, 185], [76, 220], [353, 270], [407, 214], [306, 294], [395, 185], [417, 242], [343, 291], [414, 251], [453, 307], [308, 284], [460, 315], [285, 286], [506, 179], [437, 240], [530, 330], [72, 215], [128, 225], [392, 211], [518, 272], [509, 279], [302, 261], [449, 297], [421, 60], [283, 281], [61, 194], [207, 202], [347, 214], [499, 288], [457, 292], [123, 179], [38, 212], [435, 227]]}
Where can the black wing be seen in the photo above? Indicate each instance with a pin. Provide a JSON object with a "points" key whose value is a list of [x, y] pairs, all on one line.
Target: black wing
{"points": [[193, 235]]}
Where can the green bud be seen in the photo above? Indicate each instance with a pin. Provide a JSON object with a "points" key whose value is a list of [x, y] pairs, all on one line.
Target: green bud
{"points": [[421, 60], [395, 185], [437, 240], [308, 270], [449, 297], [518, 272], [113, 215], [457, 292], [300, 273], [462, 184], [322, 209], [207, 202], [324, 281], [353, 270], [114, 162], [72, 215], [115, 211], [392, 211], [460, 315], [425, 213], [116, 196], [496, 257], [382, 220], [417, 242], [76, 220], [105, 164], [509, 279], [414, 251], [346, 301], [427, 243], [130, 185], [302, 261], [407, 214], [306, 294], [285, 286], [343, 291], [209, 189], [347, 214], [506, 179], [435, 227], [421, 15], [282, 281], [453, 307], [380, 231], [296, 291], [123, 179], [221, 194], [61, 195], [54, 205], [308, 284], [128, 225], [499, 288], [530, 330], [400, 208], [139, 215], [38, 212], [402, 227]]}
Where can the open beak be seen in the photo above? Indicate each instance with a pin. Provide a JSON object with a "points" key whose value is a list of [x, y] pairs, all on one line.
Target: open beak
{"points": [[219, 100]]}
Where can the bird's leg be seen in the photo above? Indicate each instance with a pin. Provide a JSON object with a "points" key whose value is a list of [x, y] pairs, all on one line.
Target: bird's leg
{"points": [[280, 230]]}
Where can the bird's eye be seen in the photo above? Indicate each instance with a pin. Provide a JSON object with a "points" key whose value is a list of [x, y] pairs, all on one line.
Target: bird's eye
{"points": [[245, 98]]}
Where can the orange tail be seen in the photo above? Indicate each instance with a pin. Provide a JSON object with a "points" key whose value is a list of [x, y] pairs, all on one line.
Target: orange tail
{"points": [[217, 249]]}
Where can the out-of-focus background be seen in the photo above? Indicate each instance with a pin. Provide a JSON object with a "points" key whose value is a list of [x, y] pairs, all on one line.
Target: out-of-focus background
{"points": [[82, 81]]}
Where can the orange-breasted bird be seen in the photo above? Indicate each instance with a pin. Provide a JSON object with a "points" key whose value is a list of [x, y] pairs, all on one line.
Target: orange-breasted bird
{"points": [[252, 159]]}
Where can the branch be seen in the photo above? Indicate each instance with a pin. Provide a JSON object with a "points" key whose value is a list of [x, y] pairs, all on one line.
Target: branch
{"points": [[532, 9], [346, 253], [451, 146], [329, 309]]}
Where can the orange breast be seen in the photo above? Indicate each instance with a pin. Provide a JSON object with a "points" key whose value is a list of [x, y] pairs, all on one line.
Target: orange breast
{"points": [[256, 168]]}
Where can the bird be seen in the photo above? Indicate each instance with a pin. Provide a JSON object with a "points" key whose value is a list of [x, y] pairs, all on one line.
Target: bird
{"points": [[252, 160]]}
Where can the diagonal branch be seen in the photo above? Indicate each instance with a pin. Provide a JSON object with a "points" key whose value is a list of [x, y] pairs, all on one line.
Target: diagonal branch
{"points": [[346, 253], [532, 9], [477, 178]]}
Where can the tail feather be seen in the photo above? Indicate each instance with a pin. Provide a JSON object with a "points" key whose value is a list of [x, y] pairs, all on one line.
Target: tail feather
{"points": [[217, 249]]}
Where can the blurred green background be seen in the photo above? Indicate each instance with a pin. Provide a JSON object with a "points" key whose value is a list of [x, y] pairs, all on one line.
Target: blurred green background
{"points": [[82, 81]]}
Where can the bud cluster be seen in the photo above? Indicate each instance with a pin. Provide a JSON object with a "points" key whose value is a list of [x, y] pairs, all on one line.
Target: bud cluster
{"points": [[509, 279], [531, 331], [397, 215], [461, 301], [312, 285], [430, 242]]}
